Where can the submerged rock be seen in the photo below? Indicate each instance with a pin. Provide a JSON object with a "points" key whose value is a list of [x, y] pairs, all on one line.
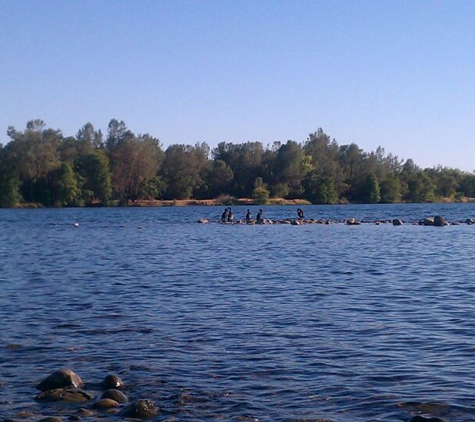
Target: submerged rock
{"points": [[116, 395], [64, 378], [106, 404], [141, 409], [74, 395], [420, 418]]}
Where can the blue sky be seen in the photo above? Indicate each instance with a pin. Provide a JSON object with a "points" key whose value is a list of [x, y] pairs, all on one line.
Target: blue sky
{"points": [[400, 74]]}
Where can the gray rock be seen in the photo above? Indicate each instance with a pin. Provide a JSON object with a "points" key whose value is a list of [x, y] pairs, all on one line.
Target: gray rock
{"points": [[64, 378], [72, 395], [428, 221], [116, 395], [106, 404], [141, 409], [112, 381], [439, 221], [397, 222]]}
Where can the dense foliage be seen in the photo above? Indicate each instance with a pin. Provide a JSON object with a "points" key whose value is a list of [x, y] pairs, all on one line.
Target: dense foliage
{"points": [[41, 166]]}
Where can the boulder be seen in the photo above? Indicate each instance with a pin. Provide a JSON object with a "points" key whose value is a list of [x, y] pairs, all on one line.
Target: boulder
{"points": [[352, 222], [112, 381], [105, 404], [141, 409], [397, 222], [64, 378], [71, 395], [428, 221], [439, 221], [115, 395]]}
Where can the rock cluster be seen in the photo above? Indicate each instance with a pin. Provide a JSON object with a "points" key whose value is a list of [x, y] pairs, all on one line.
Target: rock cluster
{"points": [[66, 386], [437, 221]]}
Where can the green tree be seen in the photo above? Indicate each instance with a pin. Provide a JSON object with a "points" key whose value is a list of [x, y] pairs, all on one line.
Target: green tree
{"points": [[135, 159], [391, 190], [9, 183], [320, 190], [219, 178], [65, 190], [95, 172], [371, 192], [245, 160], [290, 167], [260, 194], [33, 153], [421, 188], [180, 172]]}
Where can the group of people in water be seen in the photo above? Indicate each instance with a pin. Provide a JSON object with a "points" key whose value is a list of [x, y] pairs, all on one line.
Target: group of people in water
{"points": [[228, 217]]}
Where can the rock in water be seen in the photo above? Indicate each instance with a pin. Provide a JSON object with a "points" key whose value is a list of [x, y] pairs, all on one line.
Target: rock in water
{"points": [[64, 378], [141, 409], [72, 395], [115, 395], [105, 404], [419, 418], [439, 221], [112, 381]]}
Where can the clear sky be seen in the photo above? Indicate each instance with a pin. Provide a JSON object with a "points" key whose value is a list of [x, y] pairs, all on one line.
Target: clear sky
{"points": [[395, 73]]}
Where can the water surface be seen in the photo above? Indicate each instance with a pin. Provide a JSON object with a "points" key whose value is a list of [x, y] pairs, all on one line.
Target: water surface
{"points": [[221, 322]]}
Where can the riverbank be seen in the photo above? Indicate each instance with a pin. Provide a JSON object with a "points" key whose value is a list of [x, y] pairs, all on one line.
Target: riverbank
{"points": [[214, 202]]}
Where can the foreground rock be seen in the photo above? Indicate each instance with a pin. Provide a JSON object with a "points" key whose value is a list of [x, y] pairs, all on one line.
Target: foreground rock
{"points": [[141, 409], [64, 378], [419, 418], [71, 395], [106, 404], [115, 395]]}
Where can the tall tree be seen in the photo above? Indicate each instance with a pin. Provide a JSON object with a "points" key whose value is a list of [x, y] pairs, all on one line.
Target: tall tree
{"points": [[290, 167], [95, 172]]}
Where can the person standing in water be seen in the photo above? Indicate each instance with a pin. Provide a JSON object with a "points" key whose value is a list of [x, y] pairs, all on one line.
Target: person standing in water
{"points": [[230, 215], [260, 217], [224, 216], [248, 215]]}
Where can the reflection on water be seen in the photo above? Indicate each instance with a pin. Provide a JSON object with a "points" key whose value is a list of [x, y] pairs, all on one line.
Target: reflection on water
{"points": [[219, 322]]}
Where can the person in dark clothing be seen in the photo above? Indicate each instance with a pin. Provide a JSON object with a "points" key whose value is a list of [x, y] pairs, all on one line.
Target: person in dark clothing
{"points": [[260, 216], [300, 213], [248, 215], [224, 216], [230, 215]]}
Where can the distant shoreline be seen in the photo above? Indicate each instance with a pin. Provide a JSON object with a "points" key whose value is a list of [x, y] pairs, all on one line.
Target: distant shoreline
{"points": [[213, 202], [230, 201]]}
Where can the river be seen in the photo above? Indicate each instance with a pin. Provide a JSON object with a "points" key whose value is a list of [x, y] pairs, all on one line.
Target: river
{"points": [[221, 322]]}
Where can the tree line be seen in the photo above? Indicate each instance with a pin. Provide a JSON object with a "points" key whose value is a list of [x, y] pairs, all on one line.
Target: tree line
{"points": [[41, 166]]}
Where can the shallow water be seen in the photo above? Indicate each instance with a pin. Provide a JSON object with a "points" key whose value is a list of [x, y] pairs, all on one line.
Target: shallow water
{"points": [[221, 322]]}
